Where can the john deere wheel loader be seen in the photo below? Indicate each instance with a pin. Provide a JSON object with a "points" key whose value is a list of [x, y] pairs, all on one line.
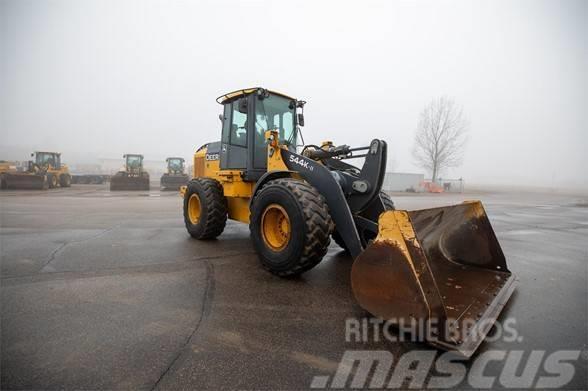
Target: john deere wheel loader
{"points": [[133, 177], [175, 175], [441, 267], [45, 171]]}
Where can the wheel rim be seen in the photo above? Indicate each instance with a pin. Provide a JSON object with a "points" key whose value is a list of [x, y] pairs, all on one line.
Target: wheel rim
{"points": [[275, 227], [194, 208], [54, 181]]}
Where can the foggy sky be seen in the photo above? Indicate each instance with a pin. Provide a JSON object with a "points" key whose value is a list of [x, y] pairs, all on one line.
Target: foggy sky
{"points": [[103, 78]]}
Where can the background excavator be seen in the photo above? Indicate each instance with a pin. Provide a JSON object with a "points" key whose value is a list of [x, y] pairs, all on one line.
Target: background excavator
{"points": [[133, 177], [45, 171], [441, 267], [176, 175]]}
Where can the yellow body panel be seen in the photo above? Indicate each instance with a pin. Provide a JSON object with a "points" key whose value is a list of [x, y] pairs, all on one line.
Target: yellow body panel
{"points": [[275, 162], [7, 167], [238, 209], [238, 189], [63, 170]]}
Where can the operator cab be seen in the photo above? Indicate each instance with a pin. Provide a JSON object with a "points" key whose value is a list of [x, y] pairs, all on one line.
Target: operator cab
{"points": [[133, 162], [175, 165], [44, 159], [247, 115]]}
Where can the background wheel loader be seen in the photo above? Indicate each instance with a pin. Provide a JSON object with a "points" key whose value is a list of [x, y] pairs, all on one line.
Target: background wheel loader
{"points": [[44, 171], [440, 267], [175, 176], [133, 177]]}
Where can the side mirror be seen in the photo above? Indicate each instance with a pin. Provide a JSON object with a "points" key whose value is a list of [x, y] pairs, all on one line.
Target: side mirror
{"points": [[221, 117], [243, 106], [300, 119], [32, 155]]}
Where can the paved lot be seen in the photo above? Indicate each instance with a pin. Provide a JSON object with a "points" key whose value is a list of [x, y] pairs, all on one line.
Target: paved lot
{"points": [[106, 290]]}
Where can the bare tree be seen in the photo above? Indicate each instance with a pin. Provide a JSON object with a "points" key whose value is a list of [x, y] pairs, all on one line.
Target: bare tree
{"points": [[440, 136]]}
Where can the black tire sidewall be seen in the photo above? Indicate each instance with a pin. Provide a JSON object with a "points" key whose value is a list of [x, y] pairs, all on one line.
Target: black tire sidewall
{"points": [[65, 180], [289, 256], [53, 181]]}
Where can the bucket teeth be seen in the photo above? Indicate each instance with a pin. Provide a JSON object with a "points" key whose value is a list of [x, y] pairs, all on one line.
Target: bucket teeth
{"points": [[440, 267]]}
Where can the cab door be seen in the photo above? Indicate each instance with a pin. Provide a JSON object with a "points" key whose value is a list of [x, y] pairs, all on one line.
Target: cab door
{"points": [[233, 153]]}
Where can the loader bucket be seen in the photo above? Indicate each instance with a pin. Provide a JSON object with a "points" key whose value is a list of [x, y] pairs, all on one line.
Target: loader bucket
{"points": [[25, 181], [173, 182], [440, 268], [119, 182]]}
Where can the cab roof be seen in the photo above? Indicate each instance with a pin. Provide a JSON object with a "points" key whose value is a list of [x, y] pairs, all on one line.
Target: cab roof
{"points": [[246, 91]]}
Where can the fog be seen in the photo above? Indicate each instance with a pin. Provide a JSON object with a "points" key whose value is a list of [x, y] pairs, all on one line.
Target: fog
{"points": [[101, 78]]}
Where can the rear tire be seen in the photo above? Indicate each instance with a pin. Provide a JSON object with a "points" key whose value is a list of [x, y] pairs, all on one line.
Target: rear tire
{"points": [[388, 205], [308, 227], [205, 208]]}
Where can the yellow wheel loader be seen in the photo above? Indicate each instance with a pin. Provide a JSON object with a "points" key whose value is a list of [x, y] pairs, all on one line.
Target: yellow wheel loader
{"points": [[44, 171], [132, 177], [441, 270], [6, 167], [175, 176]]}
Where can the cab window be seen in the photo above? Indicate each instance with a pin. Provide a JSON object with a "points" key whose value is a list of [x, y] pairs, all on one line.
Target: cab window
{"points": [[273, 113], [238, 133]]}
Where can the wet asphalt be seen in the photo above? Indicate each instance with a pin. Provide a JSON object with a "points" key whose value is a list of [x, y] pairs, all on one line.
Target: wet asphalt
{"points": [[104, 290]]}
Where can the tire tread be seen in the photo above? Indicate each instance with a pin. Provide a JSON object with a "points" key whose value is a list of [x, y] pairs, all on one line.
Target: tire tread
{"points": [[216, 204], [318, 225]]}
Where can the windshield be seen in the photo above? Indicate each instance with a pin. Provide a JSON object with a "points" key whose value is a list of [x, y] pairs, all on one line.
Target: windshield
{"points": [[273, 113], [175, 164], [45, 158], [276, 112], [133, 161]]}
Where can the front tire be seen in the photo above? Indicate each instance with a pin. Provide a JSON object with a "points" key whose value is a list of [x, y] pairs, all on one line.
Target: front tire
{"points": [[65, 180], [290, 226], [205, 208], [53, 181]]}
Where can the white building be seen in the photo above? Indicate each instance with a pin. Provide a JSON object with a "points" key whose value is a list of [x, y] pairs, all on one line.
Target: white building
{"points": [[400, 181]]}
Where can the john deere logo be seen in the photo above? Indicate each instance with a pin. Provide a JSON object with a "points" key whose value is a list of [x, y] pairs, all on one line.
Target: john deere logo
{"points": [[212, 156]]}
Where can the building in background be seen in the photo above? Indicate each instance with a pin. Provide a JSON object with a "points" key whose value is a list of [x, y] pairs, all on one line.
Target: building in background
{"points": [[400, 181]]}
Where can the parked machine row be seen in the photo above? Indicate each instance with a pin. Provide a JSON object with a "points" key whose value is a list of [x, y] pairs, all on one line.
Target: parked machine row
{"points": [[46, 171]]}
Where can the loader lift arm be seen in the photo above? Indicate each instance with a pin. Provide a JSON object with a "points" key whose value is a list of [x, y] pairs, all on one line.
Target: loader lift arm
{"points": [[352, 199]]}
